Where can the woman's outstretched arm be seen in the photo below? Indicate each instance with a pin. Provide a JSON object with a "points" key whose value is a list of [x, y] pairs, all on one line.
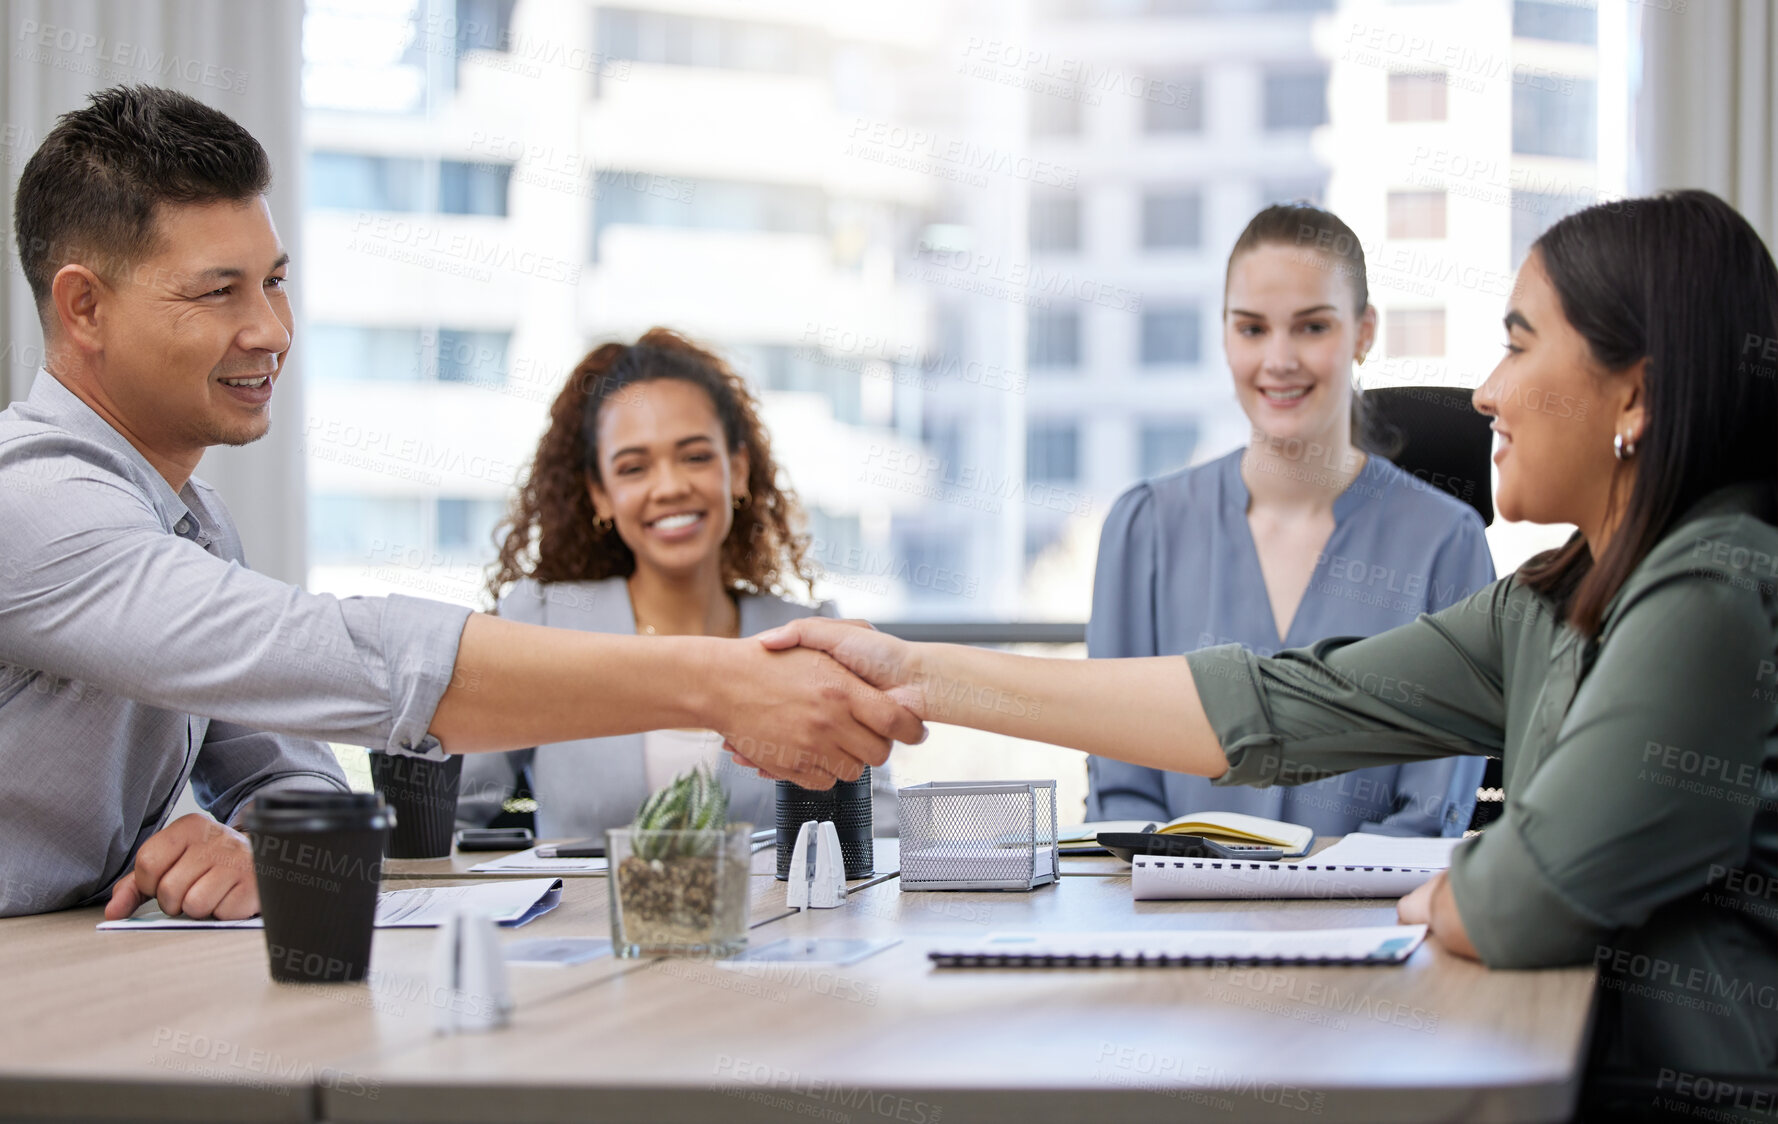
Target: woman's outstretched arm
{"points": [[1144, 711]]}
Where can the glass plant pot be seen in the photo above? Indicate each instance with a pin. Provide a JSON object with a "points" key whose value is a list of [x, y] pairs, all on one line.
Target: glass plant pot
{"points": [[680, 893]]}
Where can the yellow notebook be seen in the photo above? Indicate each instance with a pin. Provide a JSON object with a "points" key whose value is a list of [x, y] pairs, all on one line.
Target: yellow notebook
{"points": [[1224, 827]]}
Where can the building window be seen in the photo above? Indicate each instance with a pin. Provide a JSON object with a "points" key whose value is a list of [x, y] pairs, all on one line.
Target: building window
{"points": [[1053, 339], [1534, 213], [1565, 22], [836, 542], [1173, 104], [1054, 114], [484, 25], [1310, 191], [1415, 332], [672, 39], [1295, 99], [1554, 115], [779, 367], [1172, 220], [472, 356], [1052, 453], [352, 181], [355, 351], [472, 189], [1166, 446], [468, 525], [1169, 335], [645, 199], [1416, 214], [364, 530], [1055, 224], [1418, 97]]}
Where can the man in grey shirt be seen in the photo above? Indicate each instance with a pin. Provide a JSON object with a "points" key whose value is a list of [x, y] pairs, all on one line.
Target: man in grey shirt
{"points": [[138, 652]]}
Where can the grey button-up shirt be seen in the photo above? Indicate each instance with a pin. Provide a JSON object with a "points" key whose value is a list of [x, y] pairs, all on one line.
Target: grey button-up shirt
{"points": [[137, 651]]}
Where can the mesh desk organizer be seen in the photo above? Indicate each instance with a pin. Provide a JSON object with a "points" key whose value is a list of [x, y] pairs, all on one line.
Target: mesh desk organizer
{"points": [[969, 835]]}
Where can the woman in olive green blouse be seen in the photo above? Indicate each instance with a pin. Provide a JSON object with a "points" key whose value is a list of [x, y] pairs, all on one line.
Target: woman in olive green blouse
{"points": [[1627, 680]]}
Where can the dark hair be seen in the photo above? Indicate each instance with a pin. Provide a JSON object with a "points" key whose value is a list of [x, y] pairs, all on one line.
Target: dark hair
{"points": [[550, 533], [1682, 281], [89, 192], [1310, 229]]}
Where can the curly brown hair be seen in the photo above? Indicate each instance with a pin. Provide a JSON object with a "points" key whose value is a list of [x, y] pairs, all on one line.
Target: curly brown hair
{"points": [[549, 534]]}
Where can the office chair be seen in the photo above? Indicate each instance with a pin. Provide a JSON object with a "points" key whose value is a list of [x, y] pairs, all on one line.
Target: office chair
{"points": [[1447, 445], [1445, 442]]}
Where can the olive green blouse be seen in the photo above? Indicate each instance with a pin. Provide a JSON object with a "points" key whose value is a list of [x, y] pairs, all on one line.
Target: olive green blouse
{"points": [[1641, 769]]}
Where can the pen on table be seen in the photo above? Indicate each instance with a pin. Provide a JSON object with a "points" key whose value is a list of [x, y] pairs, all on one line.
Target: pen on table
{"points": [[583, 850], [588, 849]]}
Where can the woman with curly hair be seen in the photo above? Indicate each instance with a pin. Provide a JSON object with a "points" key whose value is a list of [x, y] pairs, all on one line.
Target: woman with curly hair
{"points": [[653, 508]]}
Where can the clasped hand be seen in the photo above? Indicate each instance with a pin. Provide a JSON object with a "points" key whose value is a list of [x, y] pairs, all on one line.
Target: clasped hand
{"points": [[857, 708]]}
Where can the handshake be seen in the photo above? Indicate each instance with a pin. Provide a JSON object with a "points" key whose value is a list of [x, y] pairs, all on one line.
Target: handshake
{"points": [[816, 700]]}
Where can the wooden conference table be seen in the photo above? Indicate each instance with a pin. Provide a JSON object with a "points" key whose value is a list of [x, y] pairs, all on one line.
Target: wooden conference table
{"points": [[187, 1025]]}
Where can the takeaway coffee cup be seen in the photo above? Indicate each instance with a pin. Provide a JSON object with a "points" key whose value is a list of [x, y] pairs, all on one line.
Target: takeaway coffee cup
{"points": [[318, 858], [423, 795]]}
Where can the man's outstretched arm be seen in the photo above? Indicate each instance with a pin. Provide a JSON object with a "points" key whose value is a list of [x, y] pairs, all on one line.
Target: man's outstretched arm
{"points": [[798, 714]]}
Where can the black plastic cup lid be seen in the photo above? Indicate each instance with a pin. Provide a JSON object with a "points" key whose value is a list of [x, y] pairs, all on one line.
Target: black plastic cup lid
{"points": [[317, 810]]}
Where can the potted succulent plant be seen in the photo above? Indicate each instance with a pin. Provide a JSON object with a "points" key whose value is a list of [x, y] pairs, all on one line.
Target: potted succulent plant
{"points": [[680, 875]]}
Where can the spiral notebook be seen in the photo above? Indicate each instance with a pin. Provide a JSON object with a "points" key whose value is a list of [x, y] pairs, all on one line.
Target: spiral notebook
{"points": [[1158, 878], [1381, 944]]}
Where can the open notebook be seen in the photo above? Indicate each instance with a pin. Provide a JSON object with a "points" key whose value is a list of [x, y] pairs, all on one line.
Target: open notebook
{"points": [[1224, 827]]}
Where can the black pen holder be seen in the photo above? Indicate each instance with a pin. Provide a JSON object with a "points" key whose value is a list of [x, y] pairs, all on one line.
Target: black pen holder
{"points": [[847, 804]]}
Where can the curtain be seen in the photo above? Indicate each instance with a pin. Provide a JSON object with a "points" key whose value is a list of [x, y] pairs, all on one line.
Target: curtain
{"points": [[1707, 113], [246, 60]]}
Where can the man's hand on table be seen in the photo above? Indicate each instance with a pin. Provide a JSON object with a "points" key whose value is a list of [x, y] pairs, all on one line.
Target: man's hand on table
{"points": [[801, 715], [193, 866]]}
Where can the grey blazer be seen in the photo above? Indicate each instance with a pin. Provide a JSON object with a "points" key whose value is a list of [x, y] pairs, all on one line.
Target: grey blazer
{"points": [[586, 786]]}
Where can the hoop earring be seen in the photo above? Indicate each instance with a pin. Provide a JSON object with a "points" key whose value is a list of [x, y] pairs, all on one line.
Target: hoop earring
{"points": [[602, 524], [742, 502], [1621, 448]]}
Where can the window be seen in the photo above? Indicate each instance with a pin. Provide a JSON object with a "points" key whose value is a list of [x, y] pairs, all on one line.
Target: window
{"points": [[1053, 339], [1173, 104], [672, 39], [1295, 99], [352, 181], [364, 529], [472, 357], [646, 199], [484, 25], [780, 367], [472, 189], [1055, 114], [1292, 191], [1169, 335], [1165, 446], [356, 182], [468, 524], [1534, 213], [1564, 22], [354, 351], [1415, 332], [1055, 224], [1554, 115], [1172, 220], [1052, 453], [1416, 214], [1418, 97]]}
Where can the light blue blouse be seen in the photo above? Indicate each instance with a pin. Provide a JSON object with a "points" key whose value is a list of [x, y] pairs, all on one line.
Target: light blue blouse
{"points": [[1178, 571]]}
